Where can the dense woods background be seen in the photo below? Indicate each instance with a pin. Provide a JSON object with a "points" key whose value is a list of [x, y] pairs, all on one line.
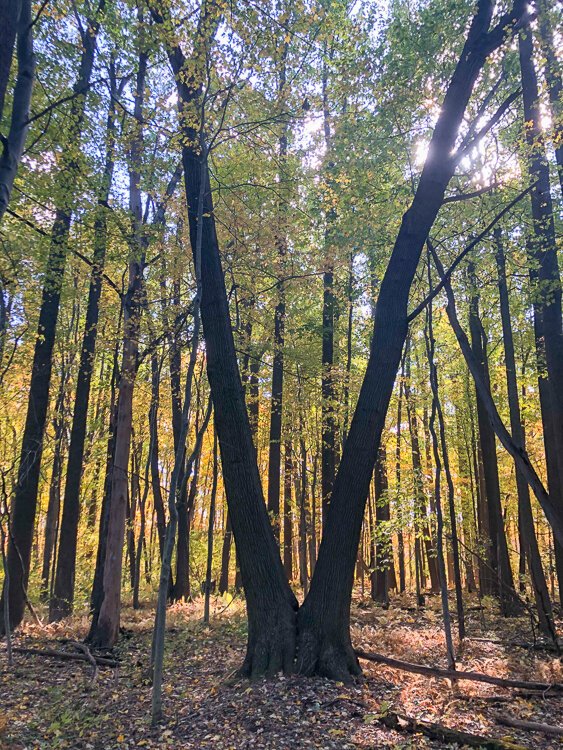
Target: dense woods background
{"points": [[280, 318]]}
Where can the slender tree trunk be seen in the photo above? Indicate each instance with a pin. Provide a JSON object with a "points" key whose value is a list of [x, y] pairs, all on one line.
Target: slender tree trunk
{"points": [[548, 20], [303, 572], [383, 577], [545, 276], [349, 331], [105, 624], [27, 484], [398, 499], [9, 17], [422, 525], [526, 520], [287, 512], [429, 336], [226, 556], [210, 531], [15, 17], [154, 454], [53, 508], [276, 409], [328, 452]]}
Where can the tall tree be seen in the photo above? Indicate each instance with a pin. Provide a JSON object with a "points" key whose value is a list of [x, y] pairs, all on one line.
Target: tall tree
{"points": [[63, 594], [27, 485], [324, 637]]}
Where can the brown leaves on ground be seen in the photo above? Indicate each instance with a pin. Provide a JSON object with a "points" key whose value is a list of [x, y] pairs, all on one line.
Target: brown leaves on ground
{"points": [[50, 703]]}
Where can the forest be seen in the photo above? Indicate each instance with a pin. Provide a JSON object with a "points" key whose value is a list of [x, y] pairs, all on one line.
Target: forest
{"points": [[281, 374]]}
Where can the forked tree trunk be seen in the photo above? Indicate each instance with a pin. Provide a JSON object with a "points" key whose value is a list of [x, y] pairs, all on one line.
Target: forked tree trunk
{"points": [[324, 635]]}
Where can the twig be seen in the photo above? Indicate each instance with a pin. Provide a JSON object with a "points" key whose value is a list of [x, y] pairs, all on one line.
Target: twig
{"points": [[100, 660], [91, 658]]}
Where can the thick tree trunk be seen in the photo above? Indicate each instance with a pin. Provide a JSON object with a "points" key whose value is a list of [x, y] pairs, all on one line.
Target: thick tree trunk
{"points": [[27, 484], [324, 637], [526, 520], [271, 605]]}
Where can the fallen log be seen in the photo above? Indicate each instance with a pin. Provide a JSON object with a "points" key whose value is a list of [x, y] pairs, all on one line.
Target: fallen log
{"points": [[532, 726], [101, 661], [455, 674], [403, 723]]}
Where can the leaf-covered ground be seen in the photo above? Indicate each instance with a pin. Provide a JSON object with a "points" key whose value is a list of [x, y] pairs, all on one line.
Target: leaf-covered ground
{"points": [[51, 703]]}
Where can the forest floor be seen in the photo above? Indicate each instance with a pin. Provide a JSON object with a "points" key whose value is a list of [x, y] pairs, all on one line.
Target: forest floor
{"points": [[53, 703]]}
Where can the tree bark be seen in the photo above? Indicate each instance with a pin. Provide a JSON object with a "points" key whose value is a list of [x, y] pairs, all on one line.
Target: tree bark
{"points": [[547, 22], [27, 484], [105, 623], [288, 512], [270, 602], [210, 528], [324, 638], [526, 520], [546, 281], [13, 145], [61, 603], [501, 582]]}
